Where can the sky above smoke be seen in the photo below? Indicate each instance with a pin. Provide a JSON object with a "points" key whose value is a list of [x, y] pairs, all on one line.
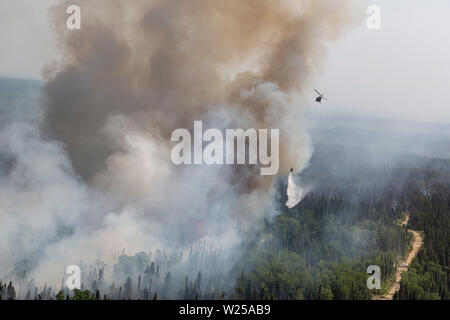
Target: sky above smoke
{"points": [[401, 70]]}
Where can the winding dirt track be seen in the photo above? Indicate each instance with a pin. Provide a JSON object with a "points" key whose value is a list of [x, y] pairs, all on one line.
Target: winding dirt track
{"points": [[417, 244]]}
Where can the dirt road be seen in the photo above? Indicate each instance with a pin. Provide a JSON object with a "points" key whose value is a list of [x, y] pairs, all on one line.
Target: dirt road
{"points": [[417, 244]]}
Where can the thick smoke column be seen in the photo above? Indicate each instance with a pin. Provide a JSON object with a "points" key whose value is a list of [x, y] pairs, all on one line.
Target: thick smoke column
{"points": [[134, 73], [138, 70]]}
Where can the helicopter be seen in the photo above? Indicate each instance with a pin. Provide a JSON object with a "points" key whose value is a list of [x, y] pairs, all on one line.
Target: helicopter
{"points": [[320, 97]]}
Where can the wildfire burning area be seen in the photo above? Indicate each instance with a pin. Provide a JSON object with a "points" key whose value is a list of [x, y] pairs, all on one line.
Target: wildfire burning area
{"points": [[134, 73]]}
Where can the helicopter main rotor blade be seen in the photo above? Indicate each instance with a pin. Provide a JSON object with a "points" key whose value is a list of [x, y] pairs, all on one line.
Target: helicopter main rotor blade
{"points": [[318, 92]]}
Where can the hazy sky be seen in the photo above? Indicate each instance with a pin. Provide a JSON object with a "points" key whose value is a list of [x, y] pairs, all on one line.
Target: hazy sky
{"points": [[402, 70], [25, 37]]}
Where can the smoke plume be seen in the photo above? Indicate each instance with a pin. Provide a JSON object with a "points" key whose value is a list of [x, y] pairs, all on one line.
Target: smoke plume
{"points": [[135, 72]]}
